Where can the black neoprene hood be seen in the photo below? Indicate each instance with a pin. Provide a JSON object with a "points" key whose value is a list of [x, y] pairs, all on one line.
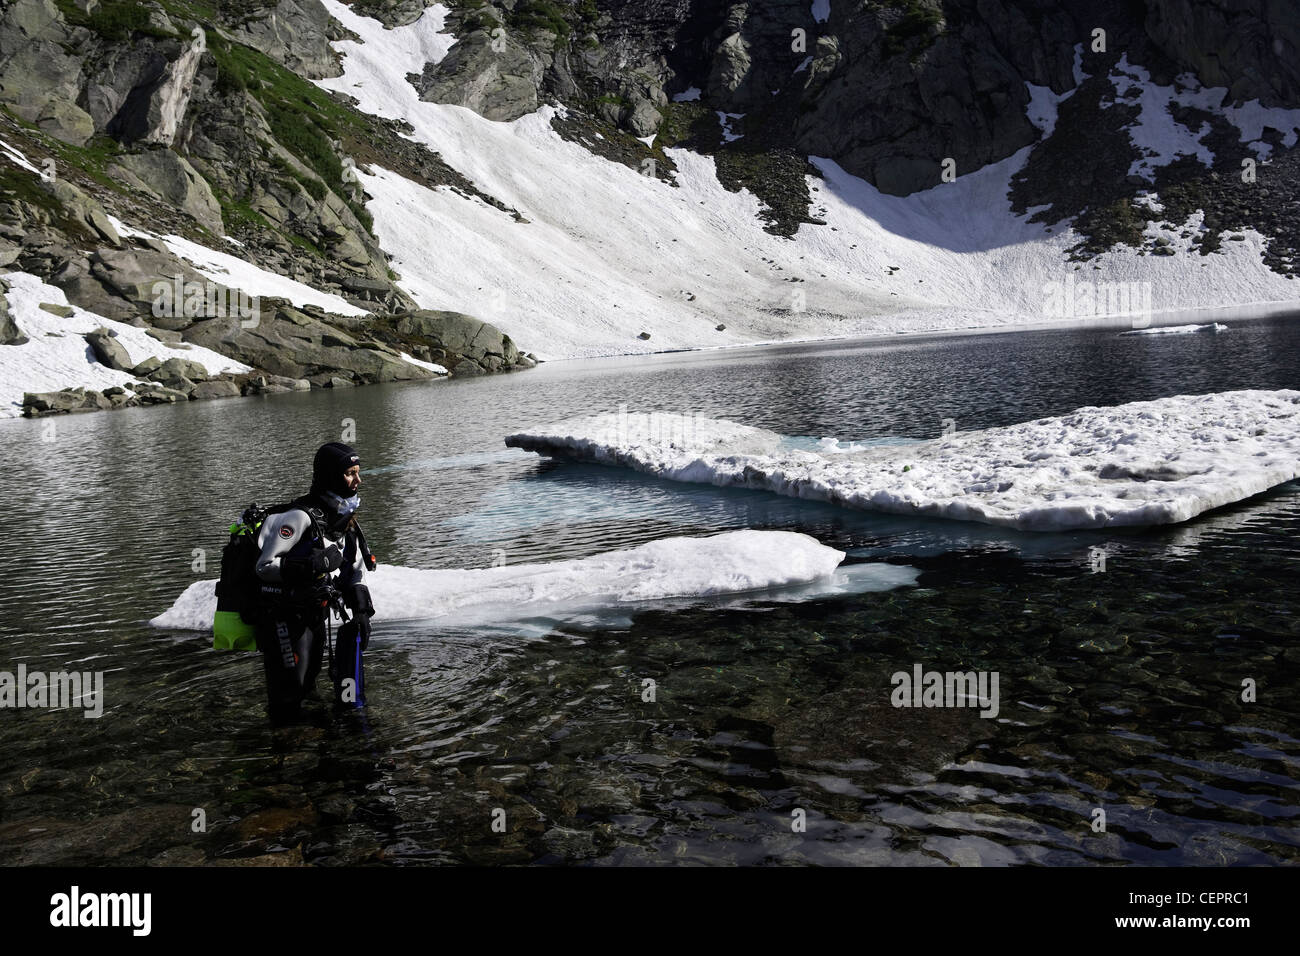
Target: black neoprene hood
{"points": [[327, 469]]}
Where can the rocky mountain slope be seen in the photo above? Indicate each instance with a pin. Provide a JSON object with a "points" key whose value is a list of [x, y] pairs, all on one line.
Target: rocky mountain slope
{"points": [[407, 190]]}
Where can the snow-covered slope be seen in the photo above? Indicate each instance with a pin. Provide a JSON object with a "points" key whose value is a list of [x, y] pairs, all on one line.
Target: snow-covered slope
{"points": [[608, 253], [730, 563], [1157, 462]]}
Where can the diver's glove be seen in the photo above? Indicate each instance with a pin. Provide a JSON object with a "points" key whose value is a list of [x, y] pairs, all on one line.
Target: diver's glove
{"points": [[357, 598], [320, 562]]}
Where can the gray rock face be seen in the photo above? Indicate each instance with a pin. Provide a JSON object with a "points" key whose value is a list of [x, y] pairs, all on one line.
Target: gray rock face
{"points": [[1250, 46], [172, 179], [39, 79], [497, 77], [144, 279], [893, 116], [296, 34], [298, 351], [460, 335], [395, 13], [154, 109], [108, 350]]}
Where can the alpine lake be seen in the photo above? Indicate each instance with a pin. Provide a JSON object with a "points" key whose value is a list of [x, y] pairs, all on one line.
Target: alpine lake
{"points": [[1160, 686]]}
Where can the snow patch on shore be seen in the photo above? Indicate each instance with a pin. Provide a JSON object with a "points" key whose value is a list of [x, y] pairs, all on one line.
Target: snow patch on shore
{"points": [[237, 273], [731, 563], [58, 357], [1144, 463]]}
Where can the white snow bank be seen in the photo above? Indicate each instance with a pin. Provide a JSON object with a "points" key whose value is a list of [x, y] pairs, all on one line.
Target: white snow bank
{"points": [[1178, 329], [723, 564], [237, 273], [1157, 462], [58, 357]]}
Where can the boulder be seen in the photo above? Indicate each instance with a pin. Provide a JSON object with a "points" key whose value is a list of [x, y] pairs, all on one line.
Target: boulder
{"points": [[147, 367], [164, 174], [10, 334], [180, 366], [68, 400], [289, 384], [315, 351], [165, 336], [218, 388], [146, 281], [499, 84], [459, 334], [151, 393], [82, 208], [108, 351], [83, 289]]}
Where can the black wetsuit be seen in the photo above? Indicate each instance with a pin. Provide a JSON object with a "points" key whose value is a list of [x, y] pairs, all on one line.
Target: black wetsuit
{"points": [[291, 628]]}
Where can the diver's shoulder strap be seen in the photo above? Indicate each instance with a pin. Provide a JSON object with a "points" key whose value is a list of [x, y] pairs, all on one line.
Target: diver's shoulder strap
{"points": [[367, 558]]}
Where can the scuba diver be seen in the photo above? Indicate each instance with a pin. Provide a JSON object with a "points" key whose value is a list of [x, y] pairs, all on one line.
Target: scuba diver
{"points": [[312, 558]]}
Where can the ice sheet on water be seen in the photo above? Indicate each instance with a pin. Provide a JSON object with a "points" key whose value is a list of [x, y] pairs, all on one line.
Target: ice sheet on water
{"points": [[728, 564], [1178, 329], [1156, 462]]}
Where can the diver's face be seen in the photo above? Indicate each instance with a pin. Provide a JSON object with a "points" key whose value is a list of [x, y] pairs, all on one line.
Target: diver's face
{"points": [[352, 478]]}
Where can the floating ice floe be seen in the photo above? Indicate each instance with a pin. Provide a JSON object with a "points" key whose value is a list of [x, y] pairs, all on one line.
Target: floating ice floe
{"points": [[1178, 329], [1157, 462], [731, 563]]}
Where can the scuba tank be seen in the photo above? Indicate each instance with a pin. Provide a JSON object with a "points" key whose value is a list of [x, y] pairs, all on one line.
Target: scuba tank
{"points": [[240, 592], [232, 626]]}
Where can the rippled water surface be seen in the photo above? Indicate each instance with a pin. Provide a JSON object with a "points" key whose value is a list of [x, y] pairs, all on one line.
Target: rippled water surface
{"points": [[1119, 690]]}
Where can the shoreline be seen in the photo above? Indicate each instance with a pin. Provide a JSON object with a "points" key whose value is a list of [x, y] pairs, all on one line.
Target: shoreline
{"points": [[1204, 316]]}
